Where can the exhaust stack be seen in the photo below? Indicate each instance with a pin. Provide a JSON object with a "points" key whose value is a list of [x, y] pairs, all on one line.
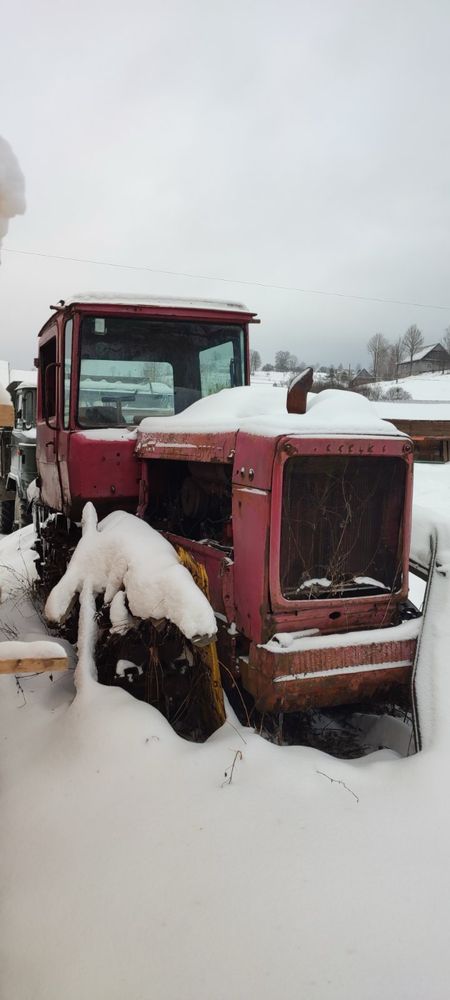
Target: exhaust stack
{"points": [[298, 390]]}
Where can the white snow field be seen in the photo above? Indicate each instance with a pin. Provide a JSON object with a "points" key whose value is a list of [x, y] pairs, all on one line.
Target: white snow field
{"points": [[432, 386], [131, 869]]}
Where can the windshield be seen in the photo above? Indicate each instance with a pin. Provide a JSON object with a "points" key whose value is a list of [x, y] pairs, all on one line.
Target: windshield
{"points": [[132, 368]]}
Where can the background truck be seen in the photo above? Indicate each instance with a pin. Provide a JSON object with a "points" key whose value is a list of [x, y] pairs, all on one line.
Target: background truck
{"points": [[17, 455]]}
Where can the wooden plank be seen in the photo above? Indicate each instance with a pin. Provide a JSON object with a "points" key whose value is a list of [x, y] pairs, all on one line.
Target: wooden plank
{"points": [[6, 415], [33, 666], [421, 428]]}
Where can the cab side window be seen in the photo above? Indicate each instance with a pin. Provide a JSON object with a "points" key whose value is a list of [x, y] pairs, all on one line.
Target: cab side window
{"points": [[48, 378], [67, 369], [19, 410], [28, 409]]}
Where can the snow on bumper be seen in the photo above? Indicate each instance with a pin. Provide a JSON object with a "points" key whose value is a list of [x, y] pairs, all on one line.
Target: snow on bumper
{"points": [[329, 670]]}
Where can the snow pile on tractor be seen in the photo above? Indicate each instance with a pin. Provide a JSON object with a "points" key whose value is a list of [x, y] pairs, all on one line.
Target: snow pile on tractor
{"points": [[123, 557], [262, 410]]}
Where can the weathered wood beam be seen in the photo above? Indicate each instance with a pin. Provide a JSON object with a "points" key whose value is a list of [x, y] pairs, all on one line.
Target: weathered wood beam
{"points": [[34, 665]]}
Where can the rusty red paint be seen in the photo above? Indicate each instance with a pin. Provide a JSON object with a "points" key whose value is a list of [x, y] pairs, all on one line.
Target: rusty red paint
{"points": [[187, 447], [261, 672]]}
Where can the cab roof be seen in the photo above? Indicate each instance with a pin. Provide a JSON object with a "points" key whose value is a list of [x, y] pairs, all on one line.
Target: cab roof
{"points": [[166, 302], [153, 305]]}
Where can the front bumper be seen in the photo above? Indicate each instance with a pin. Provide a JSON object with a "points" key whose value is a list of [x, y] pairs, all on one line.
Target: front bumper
{"points": [[321, 671]]}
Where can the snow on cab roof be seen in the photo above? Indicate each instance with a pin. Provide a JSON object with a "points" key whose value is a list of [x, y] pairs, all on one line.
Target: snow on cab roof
{"points": [[126, 298], [262, 410], [20, 378], [29, 383]]}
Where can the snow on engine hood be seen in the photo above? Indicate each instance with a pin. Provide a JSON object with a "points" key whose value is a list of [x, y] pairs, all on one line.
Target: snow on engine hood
{"points": [[262, 410]]}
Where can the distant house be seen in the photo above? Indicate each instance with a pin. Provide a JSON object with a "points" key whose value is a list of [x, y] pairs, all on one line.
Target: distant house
{"points": [[433, 358], [361, 378]]}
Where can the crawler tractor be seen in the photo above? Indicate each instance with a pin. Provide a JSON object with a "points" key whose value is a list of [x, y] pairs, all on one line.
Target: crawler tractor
{"points": [[301, 520]]}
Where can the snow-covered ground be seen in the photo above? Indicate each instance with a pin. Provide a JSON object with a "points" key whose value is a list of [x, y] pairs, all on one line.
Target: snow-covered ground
{"points": [[433, 387], [133, 868], [432, 486], [282, 378]]}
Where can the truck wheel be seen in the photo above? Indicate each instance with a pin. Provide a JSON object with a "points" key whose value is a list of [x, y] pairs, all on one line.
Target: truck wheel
{"points": [[6, 517], [21, 514]]}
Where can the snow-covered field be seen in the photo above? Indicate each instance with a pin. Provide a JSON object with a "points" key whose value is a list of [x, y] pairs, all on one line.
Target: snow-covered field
{"points": [[433, 387], [132, 870]]}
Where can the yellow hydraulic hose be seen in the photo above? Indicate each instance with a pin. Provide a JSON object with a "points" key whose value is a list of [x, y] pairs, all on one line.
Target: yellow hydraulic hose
{"points": [[206, 654]]}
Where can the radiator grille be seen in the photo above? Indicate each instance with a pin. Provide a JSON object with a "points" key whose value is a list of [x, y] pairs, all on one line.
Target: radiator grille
{"points": [[341, 526]]}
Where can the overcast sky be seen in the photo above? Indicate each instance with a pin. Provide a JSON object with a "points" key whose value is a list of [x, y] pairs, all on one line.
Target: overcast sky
{"points": [[285, 143]]}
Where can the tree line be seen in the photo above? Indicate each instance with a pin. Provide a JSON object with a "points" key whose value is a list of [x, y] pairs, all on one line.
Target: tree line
{"points": [[284, 362], [385, 356]]}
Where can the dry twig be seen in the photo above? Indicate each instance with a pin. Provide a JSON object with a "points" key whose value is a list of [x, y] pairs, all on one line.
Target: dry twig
{"points": [[229, 773], [338, 781]]}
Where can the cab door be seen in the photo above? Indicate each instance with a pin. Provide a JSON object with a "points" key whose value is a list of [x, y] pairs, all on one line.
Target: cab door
{"points": [[47, 420], [65, 407]]}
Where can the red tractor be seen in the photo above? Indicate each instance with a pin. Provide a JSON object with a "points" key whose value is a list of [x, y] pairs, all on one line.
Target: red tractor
{"points": [[301, 520]]}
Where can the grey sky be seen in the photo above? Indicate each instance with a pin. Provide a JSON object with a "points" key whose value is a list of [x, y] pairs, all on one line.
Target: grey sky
{"points": [[293, 143]]}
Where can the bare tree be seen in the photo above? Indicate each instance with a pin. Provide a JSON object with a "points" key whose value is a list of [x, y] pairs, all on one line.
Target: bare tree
{"points": [[283, 361], [396, 353], [413, 341], [378, 348], [255, 361], [446, 339]]}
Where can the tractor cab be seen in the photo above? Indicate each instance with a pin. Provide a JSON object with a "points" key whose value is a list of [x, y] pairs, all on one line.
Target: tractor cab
{"points": [[105, 364]]}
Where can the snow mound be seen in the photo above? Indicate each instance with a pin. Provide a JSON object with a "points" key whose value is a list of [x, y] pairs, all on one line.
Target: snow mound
{"points": [[12, 187], [123, 553], [17, 562], [262, 410]]}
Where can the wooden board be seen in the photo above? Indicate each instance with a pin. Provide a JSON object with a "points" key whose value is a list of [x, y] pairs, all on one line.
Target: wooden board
{"points": [[6, 415], [34, 666], [422, 428]]}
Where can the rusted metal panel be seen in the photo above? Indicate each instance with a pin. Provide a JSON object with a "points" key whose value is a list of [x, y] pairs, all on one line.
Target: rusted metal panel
{"points": [[251, 535], [325, 677], [102, 470], [344, 614], [253, 461], [189, 447]]}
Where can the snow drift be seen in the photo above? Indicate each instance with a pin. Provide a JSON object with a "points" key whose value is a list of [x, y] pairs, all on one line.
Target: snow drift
{"points": [[12, 188]]}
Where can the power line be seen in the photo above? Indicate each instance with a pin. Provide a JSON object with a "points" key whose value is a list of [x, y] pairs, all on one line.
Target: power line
{"points": [[229, 281]]}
